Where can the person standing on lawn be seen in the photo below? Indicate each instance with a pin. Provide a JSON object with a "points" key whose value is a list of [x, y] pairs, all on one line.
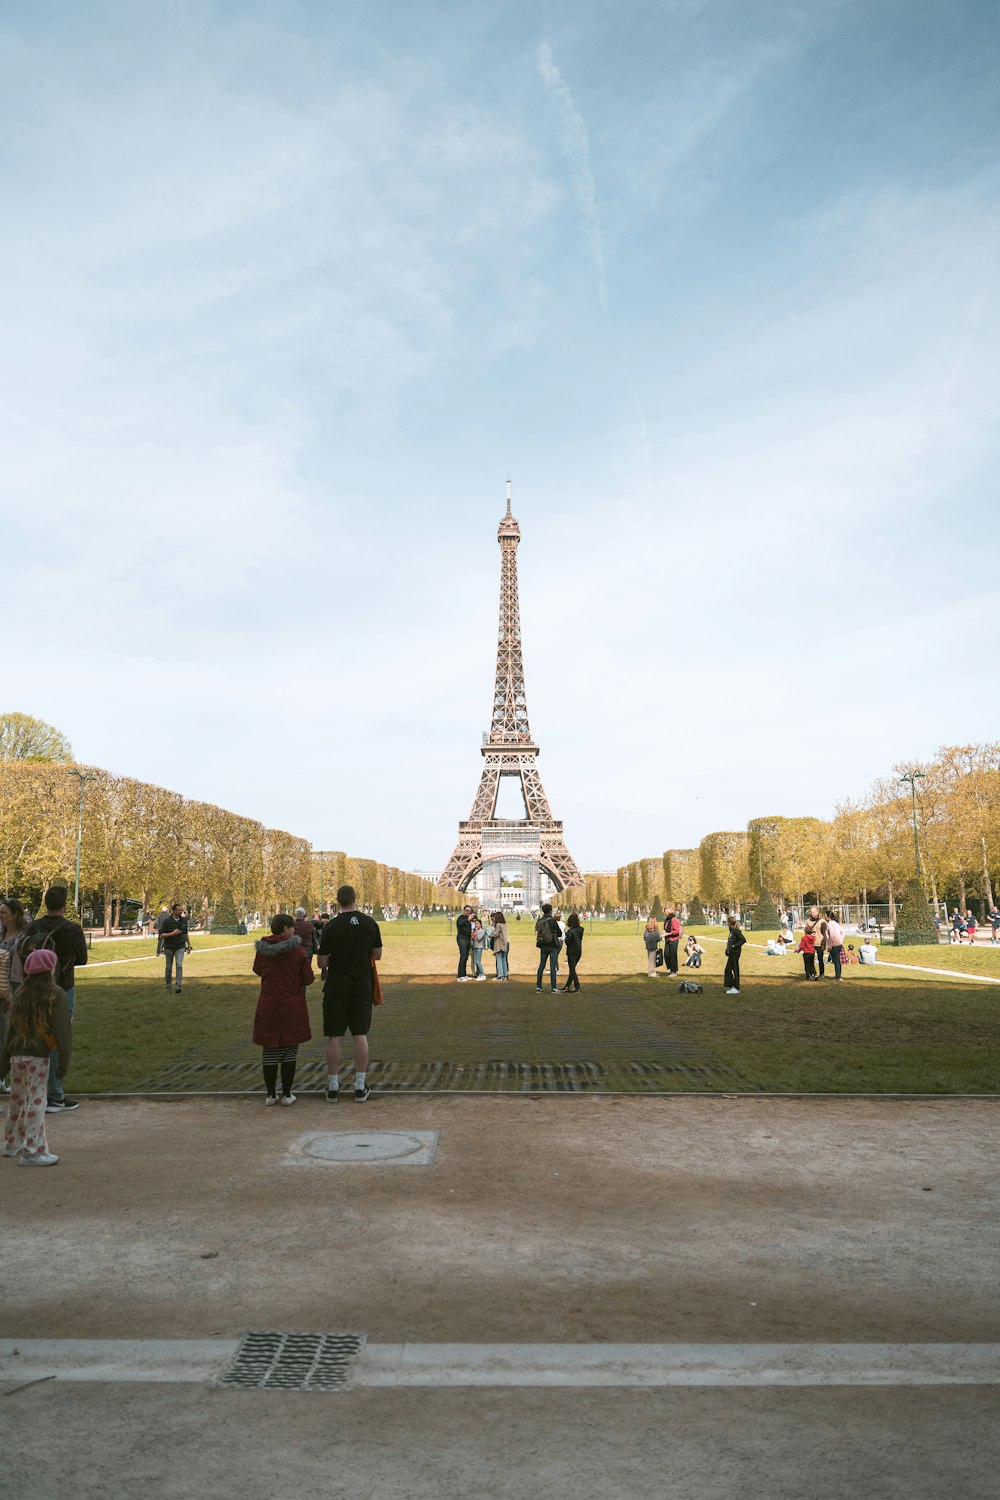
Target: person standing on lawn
{"points": [[174, 938], [13, 925], [651, 941], [807, 947], [817, 926], [500, 939], [161, 922], [834, 942], [349, 948], [574, 952], [67, 940], [463, 937], [304, 930], [734, 943], [281, 1021], [547, 942], [672, 931], [478, 947], [39, 1030]]}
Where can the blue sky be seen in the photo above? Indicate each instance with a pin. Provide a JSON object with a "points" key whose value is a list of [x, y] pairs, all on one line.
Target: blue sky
{"points": [[290, 289]]}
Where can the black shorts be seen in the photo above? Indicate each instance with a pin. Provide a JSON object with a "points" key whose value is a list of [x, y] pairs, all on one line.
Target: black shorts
{"points": [[347, 1006]]}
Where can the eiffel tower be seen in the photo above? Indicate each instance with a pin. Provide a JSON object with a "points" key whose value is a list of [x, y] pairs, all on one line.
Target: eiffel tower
{"points": [[533, 844]]}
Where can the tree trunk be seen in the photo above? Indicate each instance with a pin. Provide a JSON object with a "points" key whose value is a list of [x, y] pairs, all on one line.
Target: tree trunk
{"points": [[107, 909], [987, 882], [892, 904], [963, 904]]}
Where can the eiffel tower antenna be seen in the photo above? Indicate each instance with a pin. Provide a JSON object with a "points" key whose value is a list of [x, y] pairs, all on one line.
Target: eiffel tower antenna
{"points": [[533, 845]]}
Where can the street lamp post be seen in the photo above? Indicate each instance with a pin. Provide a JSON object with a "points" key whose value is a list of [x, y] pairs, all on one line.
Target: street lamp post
{"points": [[912, 777], [243, 906], [81, 776]]}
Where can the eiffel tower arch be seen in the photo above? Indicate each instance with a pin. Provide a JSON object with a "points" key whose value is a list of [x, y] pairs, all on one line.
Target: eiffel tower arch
{"points": [[532, 846]]}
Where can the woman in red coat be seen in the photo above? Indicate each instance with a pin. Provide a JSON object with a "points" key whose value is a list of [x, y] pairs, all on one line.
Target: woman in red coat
{"points": [[281, 1020]]}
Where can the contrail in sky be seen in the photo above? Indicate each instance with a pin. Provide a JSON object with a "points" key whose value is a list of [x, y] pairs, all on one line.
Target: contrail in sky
{"points": [[576, 144]]}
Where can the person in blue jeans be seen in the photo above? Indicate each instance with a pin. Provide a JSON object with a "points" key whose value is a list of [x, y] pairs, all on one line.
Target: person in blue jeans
{"points": [[175, 944], [67, 938], [547, 942], [478, 944], [500, 941]]}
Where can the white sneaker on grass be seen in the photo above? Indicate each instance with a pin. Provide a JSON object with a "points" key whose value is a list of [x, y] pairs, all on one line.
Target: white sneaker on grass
{"points": [[732, 992]]}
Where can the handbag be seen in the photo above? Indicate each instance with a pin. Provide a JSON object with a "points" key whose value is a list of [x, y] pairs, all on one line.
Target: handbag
{"points": [[658, 961]]}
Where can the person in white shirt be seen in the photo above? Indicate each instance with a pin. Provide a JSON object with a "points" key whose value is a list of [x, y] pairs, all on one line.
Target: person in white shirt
{"points": [[868, 953], [775, 948]]}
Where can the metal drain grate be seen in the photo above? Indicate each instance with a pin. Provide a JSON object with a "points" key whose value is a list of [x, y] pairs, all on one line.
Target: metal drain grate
{"points": [[294, 1362]]}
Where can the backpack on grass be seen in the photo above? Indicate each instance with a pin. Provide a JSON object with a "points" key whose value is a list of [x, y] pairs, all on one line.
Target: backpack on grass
{"points": [[688, 987]]}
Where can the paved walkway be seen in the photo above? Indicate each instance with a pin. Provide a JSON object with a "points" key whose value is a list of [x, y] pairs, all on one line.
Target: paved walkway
{"points": [[579, 1297]]}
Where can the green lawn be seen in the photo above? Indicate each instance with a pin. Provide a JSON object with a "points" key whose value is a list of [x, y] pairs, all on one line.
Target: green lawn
{"points": [[882, 1030]]}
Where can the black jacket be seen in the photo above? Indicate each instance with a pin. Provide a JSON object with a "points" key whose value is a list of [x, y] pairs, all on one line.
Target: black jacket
{"points": [[69, 942], [463, 929], [734, 942], [574, 942]]}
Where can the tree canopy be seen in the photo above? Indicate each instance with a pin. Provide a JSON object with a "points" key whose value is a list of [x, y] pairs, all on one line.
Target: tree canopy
{"points": [[25, 738]]}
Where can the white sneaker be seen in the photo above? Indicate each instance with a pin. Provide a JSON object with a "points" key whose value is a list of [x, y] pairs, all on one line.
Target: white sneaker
{"points": [[288, 1098], [732, 992], [42, 1159], [480, 978], [271, 1099], [11, 1150]]}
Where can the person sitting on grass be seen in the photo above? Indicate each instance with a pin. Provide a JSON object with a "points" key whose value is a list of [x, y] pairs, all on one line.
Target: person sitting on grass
{"points": [[281, 1021], [850, 957], [38, 1028], [868, 953], [693, 952], [786, 935], [775, 948]]}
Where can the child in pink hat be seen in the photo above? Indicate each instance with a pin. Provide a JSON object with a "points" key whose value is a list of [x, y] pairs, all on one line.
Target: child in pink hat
{"points": [[38, 1023]]}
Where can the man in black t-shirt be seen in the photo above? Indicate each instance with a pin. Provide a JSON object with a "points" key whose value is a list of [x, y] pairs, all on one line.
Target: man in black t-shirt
{"points": [[346, 950]]}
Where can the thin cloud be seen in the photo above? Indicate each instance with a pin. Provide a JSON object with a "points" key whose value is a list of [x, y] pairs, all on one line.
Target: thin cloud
{"points": [[576, 144]]}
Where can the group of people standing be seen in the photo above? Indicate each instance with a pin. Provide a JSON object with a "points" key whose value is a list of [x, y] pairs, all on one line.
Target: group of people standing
{"points": [[822, 939], [474, 937], [673, 931], [552, 935], [38, 961], [347, 949]]}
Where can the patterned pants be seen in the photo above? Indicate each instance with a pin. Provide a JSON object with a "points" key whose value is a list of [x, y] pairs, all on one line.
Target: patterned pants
{"points": [[272, 1056], [24, 1127]]}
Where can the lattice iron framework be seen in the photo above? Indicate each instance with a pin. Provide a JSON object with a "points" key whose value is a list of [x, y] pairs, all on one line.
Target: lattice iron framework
{"points": [[510, 751]]}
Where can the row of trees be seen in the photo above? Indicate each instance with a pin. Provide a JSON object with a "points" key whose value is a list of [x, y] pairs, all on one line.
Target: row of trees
{"points": [[866, 852], [154, 846], [377, 884]]}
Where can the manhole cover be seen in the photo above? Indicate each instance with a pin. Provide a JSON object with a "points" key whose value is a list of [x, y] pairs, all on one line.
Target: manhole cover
{"points": [[401, 1148], [294, 1362]]}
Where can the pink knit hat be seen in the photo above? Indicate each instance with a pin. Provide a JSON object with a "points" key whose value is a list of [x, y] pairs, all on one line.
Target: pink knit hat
{"points": [[42, 961]]}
